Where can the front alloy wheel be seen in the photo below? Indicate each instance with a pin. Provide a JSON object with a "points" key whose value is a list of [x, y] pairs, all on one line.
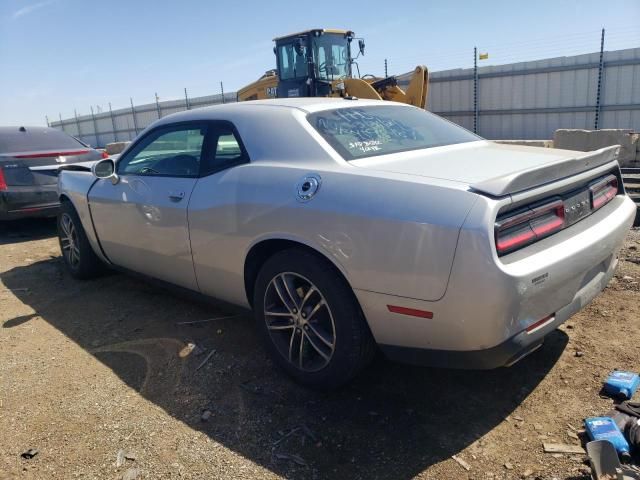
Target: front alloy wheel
{"points": [[69, 241], [77, 253], [299, 321]]}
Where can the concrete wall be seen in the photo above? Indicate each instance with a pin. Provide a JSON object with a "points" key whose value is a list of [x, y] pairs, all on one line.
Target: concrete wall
{"points": [[587, 140]]}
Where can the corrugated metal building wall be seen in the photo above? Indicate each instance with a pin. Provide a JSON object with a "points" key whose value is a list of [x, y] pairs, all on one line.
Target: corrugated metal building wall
{"points": [[527, 100], [530, 100]]}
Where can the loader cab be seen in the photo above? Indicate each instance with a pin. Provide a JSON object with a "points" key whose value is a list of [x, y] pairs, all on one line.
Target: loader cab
{"points": [[308, 62]]}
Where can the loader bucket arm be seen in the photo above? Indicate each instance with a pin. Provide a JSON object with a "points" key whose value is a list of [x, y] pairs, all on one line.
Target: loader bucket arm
{"points": [[416, 93], [418, 87], [357, 87]]}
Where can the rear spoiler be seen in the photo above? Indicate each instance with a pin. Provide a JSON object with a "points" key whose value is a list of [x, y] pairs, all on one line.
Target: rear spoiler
{"points": [[549, 172]]}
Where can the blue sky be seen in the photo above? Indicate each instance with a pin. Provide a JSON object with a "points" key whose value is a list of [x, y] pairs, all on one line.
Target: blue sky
{"points": [[57, 55]]}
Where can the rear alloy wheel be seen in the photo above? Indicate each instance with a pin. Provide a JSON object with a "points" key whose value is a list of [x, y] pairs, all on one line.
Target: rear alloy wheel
{"points": [[299, 321], [310, 319], [78, 255]]}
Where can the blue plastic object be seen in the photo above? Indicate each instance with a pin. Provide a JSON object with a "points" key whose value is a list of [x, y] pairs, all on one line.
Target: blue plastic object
{"points": [[622, 384], [604, 428]]}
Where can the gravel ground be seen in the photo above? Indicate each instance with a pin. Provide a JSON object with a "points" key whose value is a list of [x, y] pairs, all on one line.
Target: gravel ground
{"points": [[91, 377]]}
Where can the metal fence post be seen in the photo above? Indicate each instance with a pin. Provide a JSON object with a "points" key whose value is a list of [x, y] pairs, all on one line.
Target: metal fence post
{"points": [[133, 112], [186, 99], [95, 127], [61, 122], [596, 125], [222, 90], [113, 124], [386, 74], [46, 117], [158, 106], [475, 90], [75, 113]]}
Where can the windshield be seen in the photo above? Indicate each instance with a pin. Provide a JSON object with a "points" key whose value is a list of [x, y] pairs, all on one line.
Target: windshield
{"points": [[379, 130], [331, 56]]}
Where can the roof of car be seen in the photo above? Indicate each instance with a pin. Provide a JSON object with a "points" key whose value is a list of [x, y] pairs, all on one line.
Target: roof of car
{"points": [[306, 104], [17, 129], [261, 108]]}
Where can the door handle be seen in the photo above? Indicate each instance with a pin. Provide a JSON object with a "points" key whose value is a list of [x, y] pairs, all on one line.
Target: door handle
{"points": [[177, 196]]}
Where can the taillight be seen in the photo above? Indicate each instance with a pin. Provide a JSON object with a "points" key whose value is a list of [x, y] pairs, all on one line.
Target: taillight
{"points": [[526, 227], [603, 191], [104, 154], [3, 182]]}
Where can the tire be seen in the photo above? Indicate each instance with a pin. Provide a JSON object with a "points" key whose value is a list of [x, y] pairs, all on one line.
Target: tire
{"points": [[79, 258], [336, 340]]}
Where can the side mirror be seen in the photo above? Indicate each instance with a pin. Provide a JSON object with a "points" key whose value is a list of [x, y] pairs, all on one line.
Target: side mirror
{"points": [[361, 46], [105, 169]]}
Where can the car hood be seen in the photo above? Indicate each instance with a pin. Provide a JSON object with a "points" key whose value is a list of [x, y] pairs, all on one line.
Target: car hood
{"points": [[489, 167]]}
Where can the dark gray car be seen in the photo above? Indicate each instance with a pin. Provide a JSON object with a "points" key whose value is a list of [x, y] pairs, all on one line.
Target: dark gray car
{"points": [[29, 161]]}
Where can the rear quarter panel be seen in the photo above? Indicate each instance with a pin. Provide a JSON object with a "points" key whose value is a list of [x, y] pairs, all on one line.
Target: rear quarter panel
{"points": [[392, 234]]}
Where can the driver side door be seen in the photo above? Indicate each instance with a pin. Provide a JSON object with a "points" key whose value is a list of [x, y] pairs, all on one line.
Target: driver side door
{"points": [[141, 221]]}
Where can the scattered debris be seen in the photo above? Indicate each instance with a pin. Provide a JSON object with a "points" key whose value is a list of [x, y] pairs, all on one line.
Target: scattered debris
{"points": [[194, 322], [206, 359], [527, 473], [131, 474], [130, 456], [461, 462], [206, 415], [29, 454], [627, 278], [187, 349], [562, 448], [537, 426], [291, 456], [579, 353], [309, 433], [508, 466], [120, 458], [572, 434], [285, 435]]}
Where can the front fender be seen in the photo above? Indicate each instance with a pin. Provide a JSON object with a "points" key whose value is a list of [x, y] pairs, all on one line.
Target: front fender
{"points": [[74, 186]]}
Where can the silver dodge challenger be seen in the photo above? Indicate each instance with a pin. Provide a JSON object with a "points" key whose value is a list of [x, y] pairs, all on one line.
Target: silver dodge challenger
{"points": [[350, 225]]}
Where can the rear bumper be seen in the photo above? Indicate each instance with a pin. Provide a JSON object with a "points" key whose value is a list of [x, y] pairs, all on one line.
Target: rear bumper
{"points": [[511, 350], [32, 201], [482, 320]]}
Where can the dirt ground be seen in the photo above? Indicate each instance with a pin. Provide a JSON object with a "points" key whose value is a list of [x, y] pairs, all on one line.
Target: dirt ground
{"points": [[90, 373]]}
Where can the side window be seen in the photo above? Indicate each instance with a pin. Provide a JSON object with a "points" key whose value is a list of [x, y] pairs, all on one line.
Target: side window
{"points": [[173, 151], [292, 64], [227, 151]]}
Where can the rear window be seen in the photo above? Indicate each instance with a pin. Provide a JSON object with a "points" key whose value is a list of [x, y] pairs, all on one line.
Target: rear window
{"points": [[12, 141], [379, 130]]}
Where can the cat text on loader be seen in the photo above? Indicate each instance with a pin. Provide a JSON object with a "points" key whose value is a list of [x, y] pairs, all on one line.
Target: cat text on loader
{"points": [[318, 63]]}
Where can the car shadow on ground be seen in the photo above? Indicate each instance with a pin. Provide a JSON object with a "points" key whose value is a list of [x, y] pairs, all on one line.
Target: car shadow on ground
{"points": [[17, 231], [392, 422]]}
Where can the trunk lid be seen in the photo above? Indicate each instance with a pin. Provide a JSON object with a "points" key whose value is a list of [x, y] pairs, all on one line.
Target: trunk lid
{"points": [[492, 168], [41, 167]]}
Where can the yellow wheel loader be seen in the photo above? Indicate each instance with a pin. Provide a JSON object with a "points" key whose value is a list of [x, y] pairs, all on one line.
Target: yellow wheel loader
{"points": [[318, 63]]}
